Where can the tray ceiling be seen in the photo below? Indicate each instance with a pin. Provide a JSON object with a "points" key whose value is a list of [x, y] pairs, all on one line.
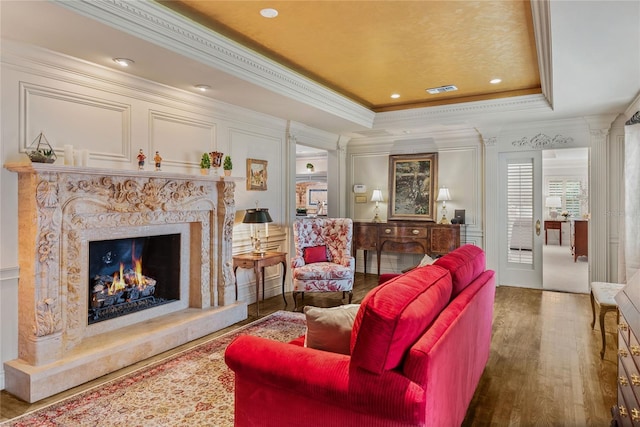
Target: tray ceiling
{"points": [[368, 51]]}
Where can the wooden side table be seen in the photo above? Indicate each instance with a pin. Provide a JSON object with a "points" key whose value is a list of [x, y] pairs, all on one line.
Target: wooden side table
{"points": [[552, 224], [258, 262]]}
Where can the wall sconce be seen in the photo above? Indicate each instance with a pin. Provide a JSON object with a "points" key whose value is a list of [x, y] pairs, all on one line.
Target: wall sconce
{"points": [[258, 216], [376, 196], [444, 197], [310, 167], [553, 202]]}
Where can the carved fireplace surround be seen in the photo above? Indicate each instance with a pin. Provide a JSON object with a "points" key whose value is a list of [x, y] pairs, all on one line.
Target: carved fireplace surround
{"points": [[61, 209]]}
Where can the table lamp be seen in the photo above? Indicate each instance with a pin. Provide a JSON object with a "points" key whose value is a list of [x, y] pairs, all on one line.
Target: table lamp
{"points": [[444, 196], [258, 216], [376, 196], [553, 202]]}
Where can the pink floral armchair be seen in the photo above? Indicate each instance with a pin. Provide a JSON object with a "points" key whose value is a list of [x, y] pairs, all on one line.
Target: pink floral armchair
{"points": [[323, 261]]}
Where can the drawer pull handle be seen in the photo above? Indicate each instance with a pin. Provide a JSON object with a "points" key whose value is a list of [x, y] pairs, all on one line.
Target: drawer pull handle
{"points": [[415, 231], [623, 381], [635, 414], [623, 353], [635, 350], [387, 230], [623, 411], [635, 380], [623, 326]]}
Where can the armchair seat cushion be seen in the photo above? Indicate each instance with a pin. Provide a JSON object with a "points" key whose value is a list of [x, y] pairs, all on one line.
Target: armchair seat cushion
{"points": [[322, 271]]}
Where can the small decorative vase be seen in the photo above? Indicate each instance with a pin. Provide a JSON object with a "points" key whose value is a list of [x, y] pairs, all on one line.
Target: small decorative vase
{"points": [[227, 172]]}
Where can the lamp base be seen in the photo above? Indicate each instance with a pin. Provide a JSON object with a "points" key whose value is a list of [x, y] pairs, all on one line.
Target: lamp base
{"points": [[376, 219], [444, 220]]}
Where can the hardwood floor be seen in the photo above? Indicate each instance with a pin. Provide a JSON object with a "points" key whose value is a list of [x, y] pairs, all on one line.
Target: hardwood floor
{"points": [[544, 367]]}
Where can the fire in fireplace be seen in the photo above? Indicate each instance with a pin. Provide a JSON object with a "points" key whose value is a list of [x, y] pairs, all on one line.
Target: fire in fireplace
{"points": [[132, 274]]}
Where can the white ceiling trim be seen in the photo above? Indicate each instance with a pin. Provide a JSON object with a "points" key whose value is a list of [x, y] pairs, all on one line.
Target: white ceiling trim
{"points": [[152, 22], [541, 15]]}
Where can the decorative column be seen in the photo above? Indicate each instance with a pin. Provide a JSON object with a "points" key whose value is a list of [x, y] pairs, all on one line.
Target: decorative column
{"points": [[491, 171], [598, 200], [225, 217]]}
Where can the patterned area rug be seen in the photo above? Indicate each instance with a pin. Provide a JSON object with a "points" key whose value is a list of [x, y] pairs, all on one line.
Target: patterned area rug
{"points": [[193, 388]]}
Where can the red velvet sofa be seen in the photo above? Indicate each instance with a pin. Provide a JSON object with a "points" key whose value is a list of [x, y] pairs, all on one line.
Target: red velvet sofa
{"points": [[419, 345]]}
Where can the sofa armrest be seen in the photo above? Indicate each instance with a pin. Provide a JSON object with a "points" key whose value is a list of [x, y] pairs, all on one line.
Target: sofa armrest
{"points": [[324, 377]]}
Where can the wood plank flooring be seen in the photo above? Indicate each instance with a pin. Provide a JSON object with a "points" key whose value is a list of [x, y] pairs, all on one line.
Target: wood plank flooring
{"points": [[544, 368]]}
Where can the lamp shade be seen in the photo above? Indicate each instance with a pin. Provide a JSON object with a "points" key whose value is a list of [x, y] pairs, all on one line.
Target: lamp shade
{"points": [[376, 196], [257, 216], [553, 202], [443, 195]]}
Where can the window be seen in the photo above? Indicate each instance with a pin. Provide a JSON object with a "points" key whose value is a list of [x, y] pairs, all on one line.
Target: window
{"points": [[520, 214], [573, 193]]}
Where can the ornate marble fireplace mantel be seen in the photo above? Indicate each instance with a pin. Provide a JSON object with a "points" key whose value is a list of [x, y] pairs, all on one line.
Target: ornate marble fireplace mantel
{"points": [[63, 208]]}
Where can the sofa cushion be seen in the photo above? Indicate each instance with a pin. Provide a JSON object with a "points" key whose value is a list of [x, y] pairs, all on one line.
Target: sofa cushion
{"points": [[465, 264], [315, 254], [329, 329], [393, 316]]}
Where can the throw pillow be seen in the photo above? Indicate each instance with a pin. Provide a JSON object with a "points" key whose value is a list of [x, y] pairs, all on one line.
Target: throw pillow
{"points": [[427, 260], [315, 254], [329, 329]]}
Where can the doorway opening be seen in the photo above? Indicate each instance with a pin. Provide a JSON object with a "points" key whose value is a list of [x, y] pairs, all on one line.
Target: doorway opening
{"points": [[311, 181], [565, 189]]}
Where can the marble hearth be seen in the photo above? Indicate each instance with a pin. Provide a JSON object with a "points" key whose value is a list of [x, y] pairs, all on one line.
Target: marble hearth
{"points": [[61, 210]]}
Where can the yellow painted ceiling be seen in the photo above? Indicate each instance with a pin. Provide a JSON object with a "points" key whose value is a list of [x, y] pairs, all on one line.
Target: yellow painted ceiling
{"points": [[367, 50]]}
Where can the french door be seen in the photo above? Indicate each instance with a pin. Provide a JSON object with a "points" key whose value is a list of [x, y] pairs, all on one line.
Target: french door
{"points": [[520, 219]]}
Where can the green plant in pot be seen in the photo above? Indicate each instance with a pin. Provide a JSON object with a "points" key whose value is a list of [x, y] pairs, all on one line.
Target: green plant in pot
{"points": [[205, 164], [227, 165]]}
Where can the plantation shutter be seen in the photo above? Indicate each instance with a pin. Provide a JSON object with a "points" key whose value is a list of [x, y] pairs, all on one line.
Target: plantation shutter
{"points": [[520, 211]]}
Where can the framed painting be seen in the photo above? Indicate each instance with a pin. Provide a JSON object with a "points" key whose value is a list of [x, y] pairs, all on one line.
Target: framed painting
{"points": [[256, 174], [317, 196], [412, 185]]}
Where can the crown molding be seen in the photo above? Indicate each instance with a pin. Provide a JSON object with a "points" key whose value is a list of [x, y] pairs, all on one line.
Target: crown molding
{"points": [[154, 23], [541, 14], [467, 112]]}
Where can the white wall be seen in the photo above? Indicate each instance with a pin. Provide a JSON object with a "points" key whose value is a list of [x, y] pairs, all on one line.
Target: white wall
{"points": [[113, 115], [460, 168]]}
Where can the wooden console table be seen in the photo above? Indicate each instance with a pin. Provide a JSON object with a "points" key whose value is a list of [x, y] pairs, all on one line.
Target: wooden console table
{"points": [[258, 262], [415, 237]]}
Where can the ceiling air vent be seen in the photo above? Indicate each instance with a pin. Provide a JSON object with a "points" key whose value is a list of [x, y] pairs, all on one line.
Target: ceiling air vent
{"points": [[441, 89]]}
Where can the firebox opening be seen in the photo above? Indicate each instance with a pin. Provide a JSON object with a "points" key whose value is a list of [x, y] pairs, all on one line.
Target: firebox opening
{"points": [[133, 274]]}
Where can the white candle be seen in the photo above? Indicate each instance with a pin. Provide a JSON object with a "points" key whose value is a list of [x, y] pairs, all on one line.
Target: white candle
{"points": [[266, 229], [77, 158], [251, 230], [68, 155], [85, 158]]}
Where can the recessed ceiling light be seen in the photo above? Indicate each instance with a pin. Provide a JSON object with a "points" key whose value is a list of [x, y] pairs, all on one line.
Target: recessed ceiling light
{"points": [[269, 13], [203, 88], [123, 62], [495, 81], [395, 95]]}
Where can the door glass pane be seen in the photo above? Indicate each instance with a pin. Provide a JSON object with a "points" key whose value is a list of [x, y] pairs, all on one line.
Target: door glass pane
{"points": [[520, 211]]}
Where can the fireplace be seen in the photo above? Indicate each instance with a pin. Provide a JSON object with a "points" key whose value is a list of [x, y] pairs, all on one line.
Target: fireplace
{"points": [[78, 223], [133, 274]]}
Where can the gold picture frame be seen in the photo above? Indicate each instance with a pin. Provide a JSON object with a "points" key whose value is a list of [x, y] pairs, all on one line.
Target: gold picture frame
{"points": [[412, 186], [256, 175]]}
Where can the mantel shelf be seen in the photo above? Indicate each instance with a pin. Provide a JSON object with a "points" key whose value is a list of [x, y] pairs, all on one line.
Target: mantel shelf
{"points": [[30, 167]]}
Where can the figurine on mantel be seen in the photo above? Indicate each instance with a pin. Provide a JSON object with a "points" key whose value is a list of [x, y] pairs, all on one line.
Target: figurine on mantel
{"points": [[141, 158], [158, 160]]}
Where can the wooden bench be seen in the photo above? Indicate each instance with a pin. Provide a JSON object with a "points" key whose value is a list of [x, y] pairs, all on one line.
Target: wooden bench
{"points": [[602, 294]]}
